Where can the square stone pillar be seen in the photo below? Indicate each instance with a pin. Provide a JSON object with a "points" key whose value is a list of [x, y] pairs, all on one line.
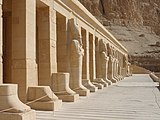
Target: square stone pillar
{"points": [[92, 62], [1, 65], [46, 40], [46, 59], [92, 65], [85, 69], [85, 41], [24, 67], [120, 72]]}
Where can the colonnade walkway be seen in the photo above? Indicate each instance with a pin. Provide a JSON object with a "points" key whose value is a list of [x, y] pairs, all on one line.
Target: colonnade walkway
{"points": [[134, 98]]}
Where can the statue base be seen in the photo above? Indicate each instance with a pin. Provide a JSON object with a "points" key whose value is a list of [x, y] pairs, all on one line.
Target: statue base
{"points": [[42, 98], [89, 85], [82, 92], [11, 107], [69, 98], [49, 105], [99, 85], [113, 80], [117, 78], [60, 86], [101, 81], [121, 77], [108, 81], [29, 115]]}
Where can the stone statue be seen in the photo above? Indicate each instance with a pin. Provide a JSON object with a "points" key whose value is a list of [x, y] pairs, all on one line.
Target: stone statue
{"points": [[104, 60], [111, 64], [76, 57]]}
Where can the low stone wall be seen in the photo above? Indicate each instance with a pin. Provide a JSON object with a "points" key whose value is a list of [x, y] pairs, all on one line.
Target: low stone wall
{"points": [[157, 74], [154, 77]]}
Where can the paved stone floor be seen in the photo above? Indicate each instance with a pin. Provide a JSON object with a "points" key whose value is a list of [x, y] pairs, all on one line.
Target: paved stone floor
{"points": [[134, 98]]}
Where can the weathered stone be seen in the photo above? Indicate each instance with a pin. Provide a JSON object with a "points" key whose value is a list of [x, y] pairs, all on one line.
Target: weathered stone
{"points": [[60, 86], [11, 107], [42, 98], [53, 54]]}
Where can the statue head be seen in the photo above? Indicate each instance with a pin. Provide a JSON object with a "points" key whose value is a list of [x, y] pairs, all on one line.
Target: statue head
{"points": [[74, 30], [102, 45]]}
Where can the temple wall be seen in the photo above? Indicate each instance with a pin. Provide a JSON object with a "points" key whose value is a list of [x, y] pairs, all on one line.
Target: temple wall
{"points": [[37, 43]]}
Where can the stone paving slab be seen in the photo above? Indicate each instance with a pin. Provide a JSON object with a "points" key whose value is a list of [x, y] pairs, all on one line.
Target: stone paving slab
{"points": [[125, 100]]}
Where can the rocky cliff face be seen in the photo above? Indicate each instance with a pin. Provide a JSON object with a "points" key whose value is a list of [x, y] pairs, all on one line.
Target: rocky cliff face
{"points": [[135, 23]]}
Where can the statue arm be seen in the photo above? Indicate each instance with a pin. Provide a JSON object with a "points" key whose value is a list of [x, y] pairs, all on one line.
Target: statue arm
{"points": [[104, 56], [77, 48]]}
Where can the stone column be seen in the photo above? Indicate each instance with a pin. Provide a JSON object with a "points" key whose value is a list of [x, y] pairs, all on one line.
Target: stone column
{"points": [[24, 67], [46, 51], [85, 71], [97, 57], [60, 80], [92, 57], [120, 72], [120, 65], [125, 64], [1, 30], [85, 42], [92, 62], [116, 69], [111, 69], [10, 105], [46, 43]]}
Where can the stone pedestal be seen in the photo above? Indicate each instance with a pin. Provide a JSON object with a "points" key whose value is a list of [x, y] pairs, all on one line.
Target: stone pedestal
{"points": [[117, 78], [60, 86], [30, 115], [89, 85], [11, 107], [82, 91], [108, 81], [99, 85], [42, 98], [101, 81]]}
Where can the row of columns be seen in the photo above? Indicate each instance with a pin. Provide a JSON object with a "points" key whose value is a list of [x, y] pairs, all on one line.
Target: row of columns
{"points": [[44, 81]]}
